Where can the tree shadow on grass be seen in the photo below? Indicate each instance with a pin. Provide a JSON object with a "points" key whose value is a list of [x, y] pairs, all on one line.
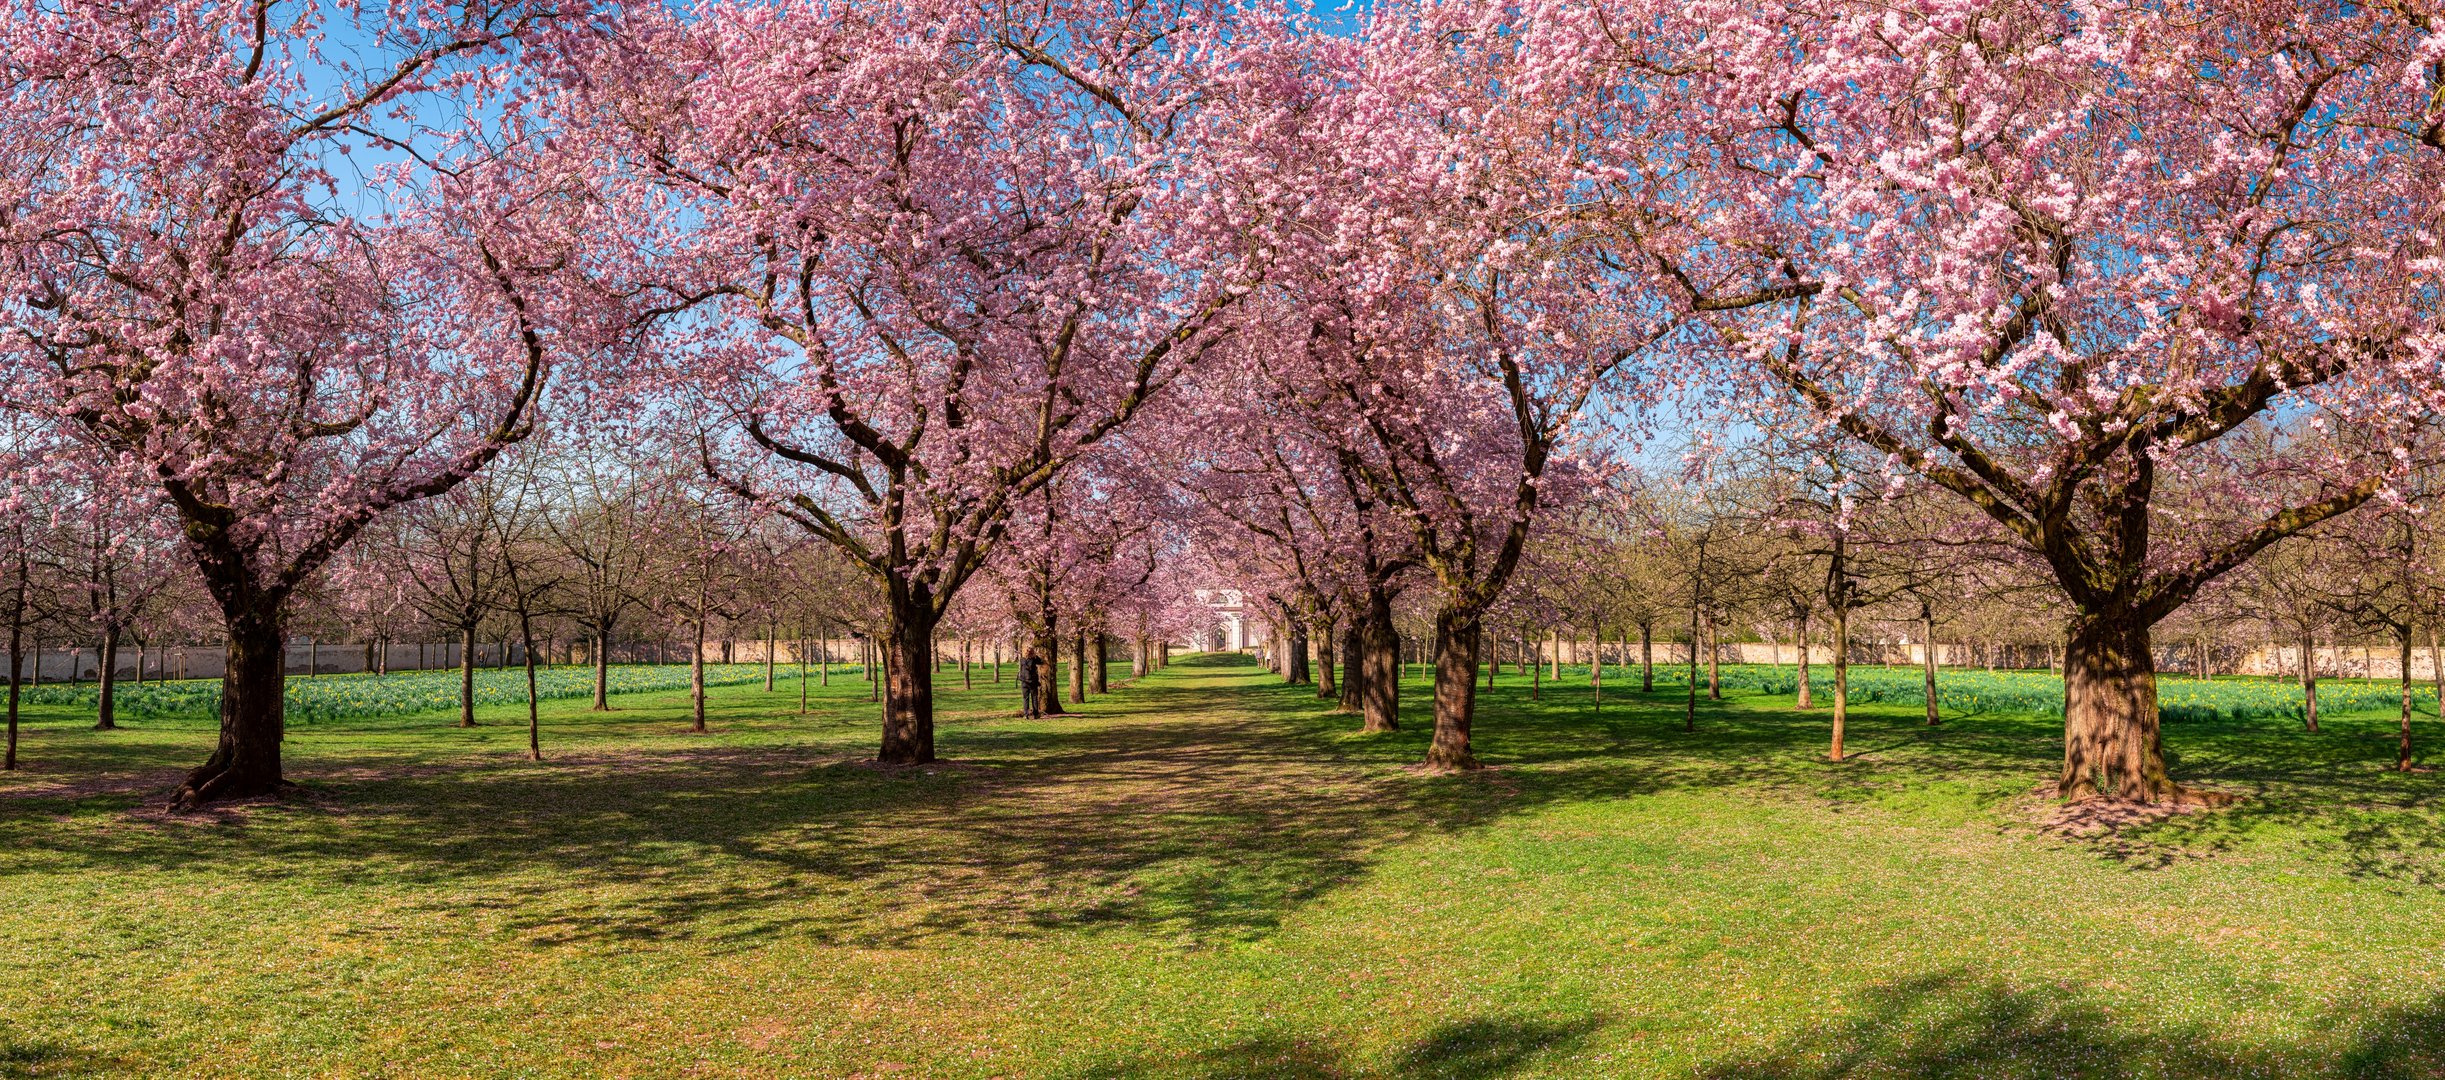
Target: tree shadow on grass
{"points": [[1190, 809], [2400, 1043], [1480, 1048], [1202, 806], [1953, 1025], [28, 1059], [2329, 792]]}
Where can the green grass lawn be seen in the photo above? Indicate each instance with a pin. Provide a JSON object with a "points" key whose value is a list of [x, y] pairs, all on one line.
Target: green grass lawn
{"points": [[1209, 874]]}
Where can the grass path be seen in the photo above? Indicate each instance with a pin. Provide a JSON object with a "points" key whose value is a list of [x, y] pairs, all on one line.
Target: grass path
{"points": [[1205, 875]]}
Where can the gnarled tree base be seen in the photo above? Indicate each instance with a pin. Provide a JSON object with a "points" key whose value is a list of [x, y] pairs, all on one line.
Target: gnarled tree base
{"points": [[219, 780], [2113, 746], [246, 762]]}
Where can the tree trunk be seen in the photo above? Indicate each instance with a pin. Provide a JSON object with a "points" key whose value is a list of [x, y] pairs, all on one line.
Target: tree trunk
{"points": [[1689, 708], [2402, 756], [2436, 668], [1457, 634], [2309, 680], [1714, 660], [1048, 653], [1927, 646], [16, 662], [2112, 746], [1536, 667], [466, 676], [1379, 681], [247, 760], [1646, 658], [1353, 663], [908, 671], [1325, 686], [1078, 667], [602, 672], [1596, 673], [1097, 681], [105, 707], [1294, 656], [696, 679], [772, 644], [1801, 693], [1842, 677], [534, 722]]}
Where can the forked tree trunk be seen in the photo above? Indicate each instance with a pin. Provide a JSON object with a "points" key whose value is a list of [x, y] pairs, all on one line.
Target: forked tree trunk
{"points": [[105, 703], [246, 762], [908, 685], [466, 676], [1379, 695], [2113, 747], [1456, 639]]}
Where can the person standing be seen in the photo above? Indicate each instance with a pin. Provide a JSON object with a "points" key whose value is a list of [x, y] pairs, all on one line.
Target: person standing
{"points": [[1031, 686]]}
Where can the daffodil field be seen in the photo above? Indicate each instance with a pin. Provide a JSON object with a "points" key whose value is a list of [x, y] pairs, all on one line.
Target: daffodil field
{"points": [[356, 697], [2040, 693]]}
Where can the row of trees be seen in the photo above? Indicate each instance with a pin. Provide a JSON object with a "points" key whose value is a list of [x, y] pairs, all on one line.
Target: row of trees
{"points": [[978, 294]]}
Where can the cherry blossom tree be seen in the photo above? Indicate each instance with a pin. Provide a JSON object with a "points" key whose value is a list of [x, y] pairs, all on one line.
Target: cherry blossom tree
{"points": [[208, 290], [1454, 308], [2047, 256], [918, 257]]}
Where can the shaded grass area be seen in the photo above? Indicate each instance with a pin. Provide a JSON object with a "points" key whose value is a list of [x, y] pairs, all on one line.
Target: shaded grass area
{"points": [[1209, 874]]}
